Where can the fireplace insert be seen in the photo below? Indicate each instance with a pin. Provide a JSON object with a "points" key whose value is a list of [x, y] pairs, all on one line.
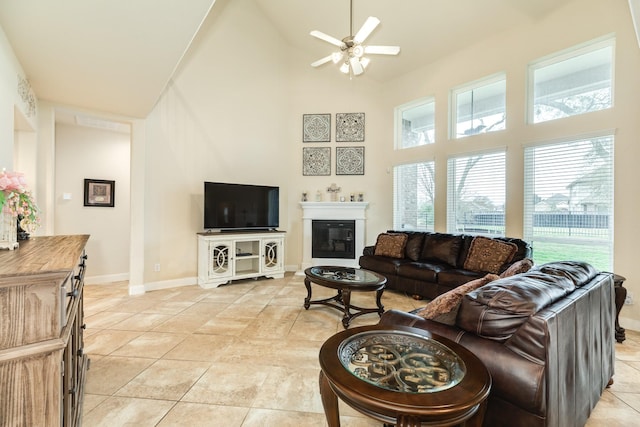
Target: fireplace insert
{"points": [[333, 239]]}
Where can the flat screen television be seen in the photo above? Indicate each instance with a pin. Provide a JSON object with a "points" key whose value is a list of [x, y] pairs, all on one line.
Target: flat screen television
{"points": [[240, 206]]}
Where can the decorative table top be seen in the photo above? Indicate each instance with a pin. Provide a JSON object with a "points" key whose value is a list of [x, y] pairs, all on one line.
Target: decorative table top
{"points": [[401, 361]]}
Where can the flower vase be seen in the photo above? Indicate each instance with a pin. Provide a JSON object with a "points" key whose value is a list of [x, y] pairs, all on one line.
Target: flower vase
{"points": [[8, 230]]}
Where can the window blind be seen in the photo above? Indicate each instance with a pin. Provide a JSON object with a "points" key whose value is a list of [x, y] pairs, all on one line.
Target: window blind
{"points": [[568, 210], [476, 192], [413, 196]]}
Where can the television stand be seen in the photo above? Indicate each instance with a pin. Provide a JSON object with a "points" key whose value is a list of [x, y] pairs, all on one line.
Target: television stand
{"points": [[235, 255]]}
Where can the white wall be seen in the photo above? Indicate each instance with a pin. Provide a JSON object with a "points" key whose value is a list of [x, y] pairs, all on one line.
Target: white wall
{"points": [[83, 152], [220, 119]]}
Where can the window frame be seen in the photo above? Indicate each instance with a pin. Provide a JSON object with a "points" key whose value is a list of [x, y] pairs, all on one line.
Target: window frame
{"points": [[565, 55], [398, 121], [476, 84]]}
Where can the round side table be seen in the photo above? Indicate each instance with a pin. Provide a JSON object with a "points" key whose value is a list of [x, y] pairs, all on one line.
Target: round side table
{"points": [[402, 376]]}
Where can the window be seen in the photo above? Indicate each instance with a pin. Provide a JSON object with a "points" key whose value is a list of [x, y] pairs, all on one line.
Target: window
{"points": [[476, 194], [413, 196], [415, 123], [572, 83], [568, 212], [479, 107]]}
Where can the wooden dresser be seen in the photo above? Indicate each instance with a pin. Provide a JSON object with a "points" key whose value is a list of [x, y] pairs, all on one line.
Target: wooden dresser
{"points": [[42, 362]]}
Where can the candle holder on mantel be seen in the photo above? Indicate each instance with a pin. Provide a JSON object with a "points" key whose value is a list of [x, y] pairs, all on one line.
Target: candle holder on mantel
{"points": [[333, 190]]}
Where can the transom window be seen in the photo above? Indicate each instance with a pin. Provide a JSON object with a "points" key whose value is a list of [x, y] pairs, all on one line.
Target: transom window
{"points": [[568, 212], [415, 123], [571, 83], [413, 196], [476, 193], [479, 107]]}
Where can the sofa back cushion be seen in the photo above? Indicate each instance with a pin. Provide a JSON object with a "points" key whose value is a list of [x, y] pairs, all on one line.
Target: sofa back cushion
{"points": [[441, 247], [413, 248], [496, 310]]}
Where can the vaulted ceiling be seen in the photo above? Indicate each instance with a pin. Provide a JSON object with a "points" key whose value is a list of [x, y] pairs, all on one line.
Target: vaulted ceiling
{"points": [[117, 56]]}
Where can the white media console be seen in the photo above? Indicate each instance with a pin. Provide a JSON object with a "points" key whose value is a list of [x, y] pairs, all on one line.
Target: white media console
{"points": [[227, 256]]}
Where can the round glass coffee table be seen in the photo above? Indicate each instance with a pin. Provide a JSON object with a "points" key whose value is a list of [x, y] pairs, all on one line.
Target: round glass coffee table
{"points": [[402, 376], [345, 280]]}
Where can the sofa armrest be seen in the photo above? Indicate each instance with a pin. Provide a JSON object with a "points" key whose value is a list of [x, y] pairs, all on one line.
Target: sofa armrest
{"points": [[368, 250]]}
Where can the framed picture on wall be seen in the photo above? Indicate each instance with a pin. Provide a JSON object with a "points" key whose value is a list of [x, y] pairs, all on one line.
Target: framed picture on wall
{"points": [[99, 192]]}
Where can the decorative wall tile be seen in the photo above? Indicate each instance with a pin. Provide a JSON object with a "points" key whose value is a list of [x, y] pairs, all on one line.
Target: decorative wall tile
{"points": [[316, 161], [316, 127], [349, 127], [349, 160]]}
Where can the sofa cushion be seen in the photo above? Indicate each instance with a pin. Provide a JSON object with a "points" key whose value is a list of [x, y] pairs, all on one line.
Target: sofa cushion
{"points": [[453, 277], [413, 248], [577, 271], [391, 245], [518, 267], [441, 247], [444, 308], [489, 255], [496, 310], [383, 265], [421, 270]]}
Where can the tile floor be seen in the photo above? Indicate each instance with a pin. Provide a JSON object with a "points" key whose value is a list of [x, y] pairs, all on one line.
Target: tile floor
{"points": [[244, 354]]}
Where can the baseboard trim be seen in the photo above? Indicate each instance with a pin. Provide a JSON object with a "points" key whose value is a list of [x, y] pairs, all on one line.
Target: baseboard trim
{"points": [[631, 324], [107, 278], [166, 284]]}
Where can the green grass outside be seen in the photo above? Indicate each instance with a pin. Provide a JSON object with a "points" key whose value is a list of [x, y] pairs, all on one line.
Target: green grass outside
{"points": [[597, 255]]}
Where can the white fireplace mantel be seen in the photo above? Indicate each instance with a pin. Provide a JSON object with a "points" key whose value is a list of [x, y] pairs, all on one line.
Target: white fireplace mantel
{"points": [[355, 211]]}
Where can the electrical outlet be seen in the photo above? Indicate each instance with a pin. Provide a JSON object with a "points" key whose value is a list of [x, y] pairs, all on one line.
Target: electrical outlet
{"points": [[156, 267], [629, 299]]}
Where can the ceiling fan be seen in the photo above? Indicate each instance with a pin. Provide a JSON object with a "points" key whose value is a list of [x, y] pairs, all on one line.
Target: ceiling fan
{"points": [[352, 51]]}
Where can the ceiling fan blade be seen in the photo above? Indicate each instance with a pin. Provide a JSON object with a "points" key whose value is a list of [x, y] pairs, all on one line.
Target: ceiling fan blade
{"points": [[369, 25], [382, 50], [322, 61], [356, 66], [322, 36]]}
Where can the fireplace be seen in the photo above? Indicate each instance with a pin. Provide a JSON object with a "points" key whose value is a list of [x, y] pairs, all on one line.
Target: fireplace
{"points": [[333, 238], [352, 213]]}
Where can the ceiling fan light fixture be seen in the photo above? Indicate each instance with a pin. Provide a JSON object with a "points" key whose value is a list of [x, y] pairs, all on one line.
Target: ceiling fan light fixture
{"points": [[351, 49]]}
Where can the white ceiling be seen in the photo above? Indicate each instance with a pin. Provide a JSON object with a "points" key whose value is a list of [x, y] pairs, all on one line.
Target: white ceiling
{"points": [[116, 56]]}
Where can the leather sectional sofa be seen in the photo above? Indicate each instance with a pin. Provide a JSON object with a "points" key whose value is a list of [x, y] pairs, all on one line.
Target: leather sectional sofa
{"points": [[431, 264], [546, 336]]}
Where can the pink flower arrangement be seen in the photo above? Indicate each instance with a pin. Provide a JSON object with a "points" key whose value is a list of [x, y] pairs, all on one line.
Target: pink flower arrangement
{"points": [[19, 201]]}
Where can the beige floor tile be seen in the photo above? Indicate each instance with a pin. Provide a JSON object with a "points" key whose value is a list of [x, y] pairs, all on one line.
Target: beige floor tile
{"points": [[142, 322], [228, 384], [182, 323], [90, 401], [126, 411], [168, 307], [626, 378], [108, 374], [105, 319], [249, 311], [203, 415], [292, 389], [612, 412], [201, 348], [314, 325], [150, 344], [225, 326], [165, 380], [203, 308], [275, 418], [107, 341], [631, 399]]}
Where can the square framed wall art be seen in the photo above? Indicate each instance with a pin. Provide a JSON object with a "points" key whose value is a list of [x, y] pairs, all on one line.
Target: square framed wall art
{"points": [[349, 127], [316, 128], [316, 161], [349, 160], [99, 192]]}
